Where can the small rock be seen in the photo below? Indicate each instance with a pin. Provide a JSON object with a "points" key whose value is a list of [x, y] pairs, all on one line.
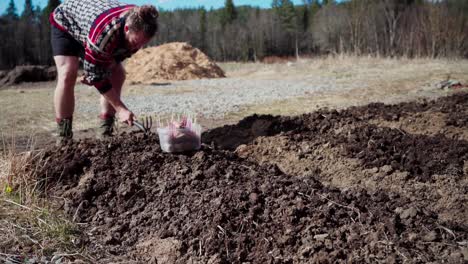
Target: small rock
{"points": [[168, 214], [305, 252], [398, 210], [242, 151], [391, 260], [110, 239], [465, 254], [412, 237], [253, 198], [403, 176], [200, 156], [387, 169], [456, 256], [409, 213], [430, 237], [321, 237]]}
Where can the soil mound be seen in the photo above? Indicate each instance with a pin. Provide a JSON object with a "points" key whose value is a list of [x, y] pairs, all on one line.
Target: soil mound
{"points": [[421, 156], [170, 62], [214, 207], [390, 196], [32, 73]]}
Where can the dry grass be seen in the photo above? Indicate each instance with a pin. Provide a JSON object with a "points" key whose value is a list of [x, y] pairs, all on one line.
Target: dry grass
{"points": [[381, 80], [30, 227], [348, 68]]}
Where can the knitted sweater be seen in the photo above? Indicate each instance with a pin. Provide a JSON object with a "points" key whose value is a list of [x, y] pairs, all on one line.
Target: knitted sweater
{"points": [[98, 25]]}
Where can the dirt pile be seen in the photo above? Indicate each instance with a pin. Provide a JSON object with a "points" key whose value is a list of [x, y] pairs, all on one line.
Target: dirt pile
{"points": [[318, 188], [29, 73], [369, 147], [170, 62], [214, 207]]}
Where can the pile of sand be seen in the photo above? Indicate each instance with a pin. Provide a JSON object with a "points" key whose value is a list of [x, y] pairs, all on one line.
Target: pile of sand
{"points": [[169, 62]]}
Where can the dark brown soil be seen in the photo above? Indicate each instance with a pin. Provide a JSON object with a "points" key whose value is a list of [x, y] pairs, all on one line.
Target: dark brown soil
{"points": [[421, 156], [267, 203]]}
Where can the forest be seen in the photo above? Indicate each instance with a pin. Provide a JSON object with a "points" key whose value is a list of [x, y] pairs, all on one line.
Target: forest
{"points": [[387, 28]]}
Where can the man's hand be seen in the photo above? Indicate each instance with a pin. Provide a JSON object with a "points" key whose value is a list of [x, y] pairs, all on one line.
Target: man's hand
{"points": [[125, 116]]}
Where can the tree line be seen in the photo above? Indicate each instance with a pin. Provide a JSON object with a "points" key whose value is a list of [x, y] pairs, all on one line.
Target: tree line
{"points": [[410, 28]]}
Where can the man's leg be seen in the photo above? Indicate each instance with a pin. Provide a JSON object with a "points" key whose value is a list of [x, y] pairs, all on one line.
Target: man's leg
{"points": [[107, 111], [64, 97], [67, 71]]}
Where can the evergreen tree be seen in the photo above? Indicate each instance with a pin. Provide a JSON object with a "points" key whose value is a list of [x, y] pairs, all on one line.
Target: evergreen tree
{"points": [[11, 12], [203, 29], [28, 12], [314, 7], [275, 5], [37, 14], [286, 12], [305, 18], [229, 13], [51, 5]]}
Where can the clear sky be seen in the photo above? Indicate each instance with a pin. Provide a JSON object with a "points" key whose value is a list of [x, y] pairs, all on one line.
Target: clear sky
{"points": [[165, 4]]}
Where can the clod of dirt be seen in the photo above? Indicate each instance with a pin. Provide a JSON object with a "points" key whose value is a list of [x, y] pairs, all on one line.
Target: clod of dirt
{"points": [[170, 62]]}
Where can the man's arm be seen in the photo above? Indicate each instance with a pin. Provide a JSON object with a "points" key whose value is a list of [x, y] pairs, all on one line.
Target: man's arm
{"points": [[97, 76], [97, 66], [123, 114]]}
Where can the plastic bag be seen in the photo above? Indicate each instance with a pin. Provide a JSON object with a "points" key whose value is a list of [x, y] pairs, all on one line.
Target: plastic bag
{"points": [[180, 136]]}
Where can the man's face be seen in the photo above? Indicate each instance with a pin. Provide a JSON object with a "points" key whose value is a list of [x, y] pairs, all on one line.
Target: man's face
{"points": [[135, 40]]}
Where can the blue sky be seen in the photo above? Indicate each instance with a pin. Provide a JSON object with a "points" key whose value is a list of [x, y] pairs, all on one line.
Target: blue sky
{"points": [[166, 4]]}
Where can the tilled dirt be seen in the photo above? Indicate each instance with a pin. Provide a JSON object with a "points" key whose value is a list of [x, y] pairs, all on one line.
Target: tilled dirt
{"points": [[330, 186]]}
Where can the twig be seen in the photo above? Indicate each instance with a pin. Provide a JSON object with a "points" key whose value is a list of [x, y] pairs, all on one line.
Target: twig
{"points": [[8, 255], [75, 215], [34, 241], [200, 248], [401, 254], [221, 229], [448, 231], [20, 205], [58, 256], [44, 222], [15, 225]]}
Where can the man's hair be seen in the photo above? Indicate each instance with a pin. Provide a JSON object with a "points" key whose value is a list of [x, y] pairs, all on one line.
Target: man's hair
{"points": [[144, 18]]}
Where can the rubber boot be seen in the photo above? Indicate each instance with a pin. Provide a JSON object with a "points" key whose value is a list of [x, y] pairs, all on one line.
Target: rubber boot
{"points": [[64, 131], [106, 127]]}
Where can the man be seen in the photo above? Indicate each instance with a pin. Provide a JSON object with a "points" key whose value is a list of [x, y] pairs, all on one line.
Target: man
{"points": [[103, 33]]}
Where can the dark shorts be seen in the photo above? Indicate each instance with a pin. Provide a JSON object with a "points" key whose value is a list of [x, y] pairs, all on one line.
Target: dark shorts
{"points": [[64, 44]]}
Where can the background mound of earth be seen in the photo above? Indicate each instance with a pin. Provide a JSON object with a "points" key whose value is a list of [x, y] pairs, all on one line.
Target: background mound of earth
{"points": [[170, 62], [330, 186]]}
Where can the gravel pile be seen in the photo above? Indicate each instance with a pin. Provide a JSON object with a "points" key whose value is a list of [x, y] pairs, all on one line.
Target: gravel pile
{"points": [[213, 98]]}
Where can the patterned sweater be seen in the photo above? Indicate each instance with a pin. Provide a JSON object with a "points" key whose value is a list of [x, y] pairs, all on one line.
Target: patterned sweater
{"points": [[98, 25]]}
